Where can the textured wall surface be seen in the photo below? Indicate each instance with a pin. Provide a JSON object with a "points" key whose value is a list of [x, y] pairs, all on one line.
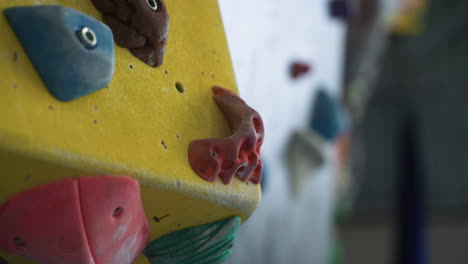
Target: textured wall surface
{"points": [[264, 37]]}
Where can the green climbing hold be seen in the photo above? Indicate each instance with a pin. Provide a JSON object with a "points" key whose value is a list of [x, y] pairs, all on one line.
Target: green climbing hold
{"points": [[205, 244]]}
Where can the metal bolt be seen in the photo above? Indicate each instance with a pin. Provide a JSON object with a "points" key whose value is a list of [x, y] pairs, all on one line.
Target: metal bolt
{"points": [[153, 4], [87, 37]]}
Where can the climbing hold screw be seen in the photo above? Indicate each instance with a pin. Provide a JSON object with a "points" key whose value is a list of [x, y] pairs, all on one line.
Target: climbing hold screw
{"points": [[87, 37], [153, 4]]}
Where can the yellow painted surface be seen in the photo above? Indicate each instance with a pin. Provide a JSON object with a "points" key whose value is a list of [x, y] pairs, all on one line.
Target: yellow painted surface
{"points": [[123, 129]]}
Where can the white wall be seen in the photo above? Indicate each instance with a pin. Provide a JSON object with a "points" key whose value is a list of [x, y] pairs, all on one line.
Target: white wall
{"points": [[264, 36]]}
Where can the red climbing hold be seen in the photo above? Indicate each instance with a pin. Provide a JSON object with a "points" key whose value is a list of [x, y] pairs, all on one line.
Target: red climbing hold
{"points": [[114, 218], [44, 225], [92, 220], [238, 154], [299, 69]]}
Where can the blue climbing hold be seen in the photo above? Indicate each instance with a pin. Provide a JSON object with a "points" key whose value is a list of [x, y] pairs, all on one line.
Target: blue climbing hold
{"points": [[326, 116], [72, 52]]}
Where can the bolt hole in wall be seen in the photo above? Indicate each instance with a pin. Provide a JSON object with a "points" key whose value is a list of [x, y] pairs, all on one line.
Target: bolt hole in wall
{"points": [[180, 87], [152, 4], [90, 36], [117, 212], [19, 242], [87, 37], [214, 152], [27, 177]]}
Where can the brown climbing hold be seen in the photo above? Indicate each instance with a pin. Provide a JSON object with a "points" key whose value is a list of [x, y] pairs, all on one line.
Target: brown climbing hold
{"points": [[139, 25], [238, 154]]}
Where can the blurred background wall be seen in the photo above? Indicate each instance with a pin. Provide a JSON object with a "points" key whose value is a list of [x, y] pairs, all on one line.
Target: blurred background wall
{"points": [[395, 66], [264, 37]]}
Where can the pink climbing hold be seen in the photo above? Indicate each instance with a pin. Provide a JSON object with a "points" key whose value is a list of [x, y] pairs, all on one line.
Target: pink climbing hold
{"points": [[44, 225], [114, 218], [238, 154], [90, 220]]}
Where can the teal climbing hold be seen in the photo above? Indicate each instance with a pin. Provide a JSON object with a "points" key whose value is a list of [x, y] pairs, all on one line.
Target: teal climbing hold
{"points": [[205, 244], [327, 119], [72, 52]]}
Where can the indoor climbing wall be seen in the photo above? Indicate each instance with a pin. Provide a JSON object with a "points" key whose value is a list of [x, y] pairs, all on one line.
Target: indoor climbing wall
{"points": [[90, 122]]}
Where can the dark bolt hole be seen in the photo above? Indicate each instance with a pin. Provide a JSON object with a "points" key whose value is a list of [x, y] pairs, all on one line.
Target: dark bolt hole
{"points": [[180, 87], [19, 242], [153, 4], [117, 212], [90, 36]]}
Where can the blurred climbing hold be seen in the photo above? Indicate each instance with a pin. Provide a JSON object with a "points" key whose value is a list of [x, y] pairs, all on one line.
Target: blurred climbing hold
{"points": [[238, 154], [305, 154], [299, 69], [209, 243], [327, 119], [409, 21], [340, 9]]}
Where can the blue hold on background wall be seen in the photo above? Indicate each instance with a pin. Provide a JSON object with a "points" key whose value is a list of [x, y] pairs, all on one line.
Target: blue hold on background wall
{"points": [[327, 120]]}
